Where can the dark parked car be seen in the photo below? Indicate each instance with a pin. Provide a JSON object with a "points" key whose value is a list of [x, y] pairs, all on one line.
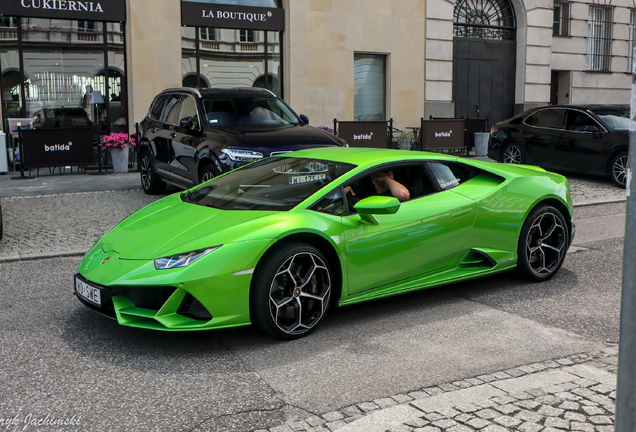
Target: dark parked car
{"points": [[585, 139], [192, 135], [47, 118]]}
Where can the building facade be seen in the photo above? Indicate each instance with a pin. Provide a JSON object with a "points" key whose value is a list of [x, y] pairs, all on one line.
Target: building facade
{"points": [[344, 59]]}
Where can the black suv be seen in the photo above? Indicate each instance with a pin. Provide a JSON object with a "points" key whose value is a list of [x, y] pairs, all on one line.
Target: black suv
{"points": [[191, 135], [585, 138]]}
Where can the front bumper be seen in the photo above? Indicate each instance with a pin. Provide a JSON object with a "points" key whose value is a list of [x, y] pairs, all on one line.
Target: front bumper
{"points": [[211, 293]]}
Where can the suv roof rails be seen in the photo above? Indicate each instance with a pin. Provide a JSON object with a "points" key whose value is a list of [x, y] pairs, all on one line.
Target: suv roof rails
{"points": [[198, 90]]}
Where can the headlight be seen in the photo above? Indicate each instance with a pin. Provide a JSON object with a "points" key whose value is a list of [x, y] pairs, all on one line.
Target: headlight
{"points": [[242, 155], [182, 260]]}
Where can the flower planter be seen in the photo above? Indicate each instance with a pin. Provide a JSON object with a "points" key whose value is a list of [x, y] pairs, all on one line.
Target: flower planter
{"points": [[120, 159]]}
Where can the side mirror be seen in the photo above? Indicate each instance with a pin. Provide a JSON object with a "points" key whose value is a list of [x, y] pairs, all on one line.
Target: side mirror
{"points": [[186, 123], [304, 119], [372, 205]]}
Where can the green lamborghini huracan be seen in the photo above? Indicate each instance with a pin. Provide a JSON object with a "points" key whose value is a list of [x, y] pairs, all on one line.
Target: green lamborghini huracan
{"points": [[278, 242]]}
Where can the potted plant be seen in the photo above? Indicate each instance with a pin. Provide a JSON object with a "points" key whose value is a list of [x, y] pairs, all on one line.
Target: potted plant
{"points": [[406, 140], [118, 144]]}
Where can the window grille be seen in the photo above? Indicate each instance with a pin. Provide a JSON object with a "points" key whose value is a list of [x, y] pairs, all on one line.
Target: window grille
{"points": [[484, 19], [207, 33], [247, 36], [561, 24], [632, 39], [599, 38]]}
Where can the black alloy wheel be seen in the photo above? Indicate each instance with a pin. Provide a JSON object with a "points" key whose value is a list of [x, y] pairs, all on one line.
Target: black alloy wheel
{"points": [[543, 244], [513, 154], [618, 170], [150, 181], [291, 291], [208, 173]]}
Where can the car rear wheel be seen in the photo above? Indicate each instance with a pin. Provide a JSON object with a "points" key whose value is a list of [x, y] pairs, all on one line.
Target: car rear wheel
{"points": [[543, 244], [208, 173], [291, 291], [618, 170], [512, 153], [150, 181]]}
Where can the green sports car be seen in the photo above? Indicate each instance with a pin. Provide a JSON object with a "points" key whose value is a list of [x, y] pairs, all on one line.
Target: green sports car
{"points": [[278, 242]]}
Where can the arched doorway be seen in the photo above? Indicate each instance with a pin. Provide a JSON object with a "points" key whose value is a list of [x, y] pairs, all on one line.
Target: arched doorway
{"points": [[484, 59]]}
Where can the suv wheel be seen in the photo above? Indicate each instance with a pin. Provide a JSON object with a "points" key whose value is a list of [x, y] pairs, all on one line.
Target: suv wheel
{"points": [[618, 170], [150, 181], [208, 173]]}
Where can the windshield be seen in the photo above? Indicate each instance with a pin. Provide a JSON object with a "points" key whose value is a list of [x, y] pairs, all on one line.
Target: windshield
{"points": [[616, 119], [248, 113], [279, 183]]}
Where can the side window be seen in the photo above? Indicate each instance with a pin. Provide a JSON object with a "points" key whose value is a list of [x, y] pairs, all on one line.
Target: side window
{"points": [[547, 118], [170, 110], [445, 176], [333, 203], [156, 108], [189, 109], [577, 121]]}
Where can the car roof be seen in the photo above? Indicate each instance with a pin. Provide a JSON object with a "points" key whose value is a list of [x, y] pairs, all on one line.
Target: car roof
{"points": [[584, 107], [363, 156], [215, 92]]}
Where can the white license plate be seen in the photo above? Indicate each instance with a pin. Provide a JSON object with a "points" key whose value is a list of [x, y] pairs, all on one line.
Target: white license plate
{"points": [[88, 293]]}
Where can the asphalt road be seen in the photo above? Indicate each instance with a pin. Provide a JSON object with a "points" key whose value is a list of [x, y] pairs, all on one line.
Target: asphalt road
{"points": [[60, 359]]}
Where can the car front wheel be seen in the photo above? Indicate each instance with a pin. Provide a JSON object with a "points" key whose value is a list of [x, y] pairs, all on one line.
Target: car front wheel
{"points": [[291, 291], [618, 170], [512, 153], [150, 181], [208, 173], [543, 244]]}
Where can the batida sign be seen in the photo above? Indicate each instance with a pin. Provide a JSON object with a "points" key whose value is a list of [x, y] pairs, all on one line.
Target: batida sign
{"points": [[93, 10], [57, 147], [228, 16]]}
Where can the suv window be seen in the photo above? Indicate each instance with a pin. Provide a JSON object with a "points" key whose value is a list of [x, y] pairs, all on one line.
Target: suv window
{"points": [[189, 109], [157, 107], [248, 112], [548, 118], [170, 110]]}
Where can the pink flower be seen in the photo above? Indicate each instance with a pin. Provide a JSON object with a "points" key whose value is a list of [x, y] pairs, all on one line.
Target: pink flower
{"points": [[116, 140]]}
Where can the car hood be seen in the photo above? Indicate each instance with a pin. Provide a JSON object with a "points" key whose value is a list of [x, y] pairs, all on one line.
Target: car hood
{"points": [[282, 139], [171, 226]]}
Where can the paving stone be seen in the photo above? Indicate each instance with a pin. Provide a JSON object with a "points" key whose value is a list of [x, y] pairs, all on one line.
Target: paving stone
{"points": [[401, 398], [503, 400], [335, 425], [601, 400], [568, 396], [507, 409], [416, 422], [574, 416], [433, 391], [535, 392], [527, 404], [539, 366], [548, 400], [552, 364], [315, 421], [600, 420], [445, 423], [432, 417], [549, 411], [487, 414], [583, 392], [400, 428], [520, 395], [427, 429], [368, 406], [604, 428], [474, 381], [494, 428], [487, 378], [593, 410], [448, 413], [459, 428], [583, 382], [300, 425], [529, 416], [557, 423], [283, 428], [570, 406], [478, 423], [385, 402], [507, 421], [463, 418], [353, 410], [529, 427], [462, 384], [565, 362], [585, 427], [333, 416], [501, 375], [516, 372], [448, 387], [419, 395], [601, 388], [467, 408]]}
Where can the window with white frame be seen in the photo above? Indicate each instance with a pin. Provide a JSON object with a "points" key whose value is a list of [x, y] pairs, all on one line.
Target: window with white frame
{"points": [[369, 87], [599, 38], [561, 22]]}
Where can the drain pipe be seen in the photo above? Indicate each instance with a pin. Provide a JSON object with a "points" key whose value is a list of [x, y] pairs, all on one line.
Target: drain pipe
{"points": [[626, 381]]}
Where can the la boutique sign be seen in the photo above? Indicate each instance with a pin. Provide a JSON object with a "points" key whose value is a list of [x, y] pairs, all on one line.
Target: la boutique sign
{"points": [[97, 10], [227, 16]]}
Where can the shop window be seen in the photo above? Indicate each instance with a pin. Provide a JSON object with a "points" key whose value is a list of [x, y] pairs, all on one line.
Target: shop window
{"points": [[207, 34], [599, 38], [561, 24], [369, 87]]}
